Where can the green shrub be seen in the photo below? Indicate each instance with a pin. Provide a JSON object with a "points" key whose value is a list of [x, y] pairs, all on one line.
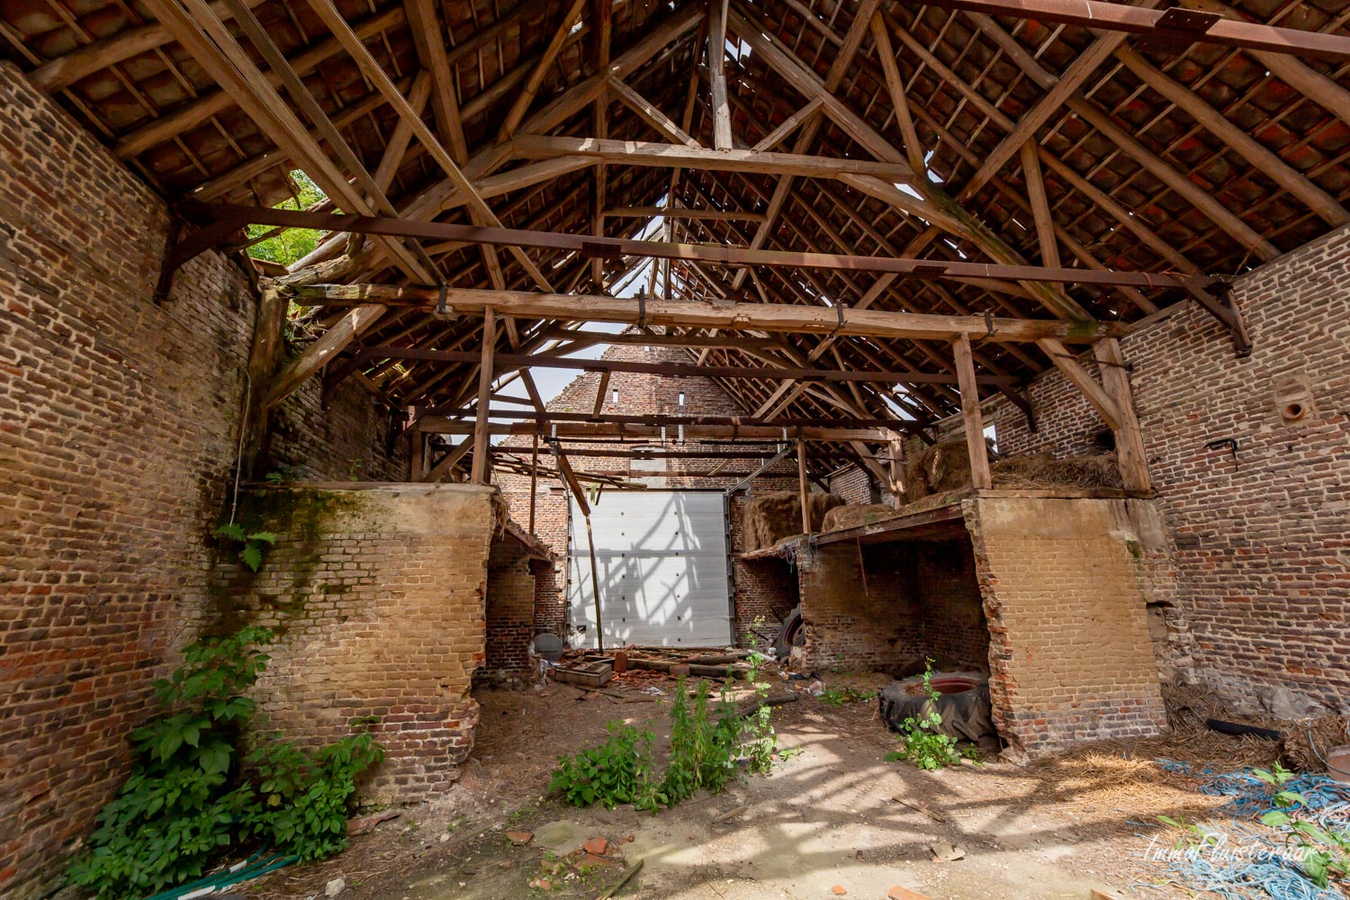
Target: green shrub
{"points": [[249, 547], [188, 797], [921, 738], [707, 739]]}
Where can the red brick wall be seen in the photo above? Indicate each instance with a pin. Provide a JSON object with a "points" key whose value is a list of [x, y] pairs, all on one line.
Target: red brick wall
{"points": [[118, 434], [510, 613], [1259, 539]]}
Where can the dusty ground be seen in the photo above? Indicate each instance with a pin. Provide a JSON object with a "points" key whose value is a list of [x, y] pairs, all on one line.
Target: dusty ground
{"points": [[827, 817]]}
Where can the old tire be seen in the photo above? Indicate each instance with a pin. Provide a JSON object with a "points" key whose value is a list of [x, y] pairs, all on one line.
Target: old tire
{"points": [[963, 703], [790, 635]]}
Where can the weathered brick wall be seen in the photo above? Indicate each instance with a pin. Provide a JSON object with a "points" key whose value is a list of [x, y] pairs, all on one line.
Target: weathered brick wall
{"points": [[1063, 584], [338, 434], [853, 483], [119, 425], [118, 422], [951, 622], [891, 606], [1259, 535], [377, 595], [510, 612], [856, 613]]}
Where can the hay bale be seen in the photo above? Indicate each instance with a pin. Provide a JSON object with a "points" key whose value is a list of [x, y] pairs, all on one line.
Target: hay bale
{"points": [[945, 466], [857, 514], [1041, 470], [1307, 742], [769, 518]]}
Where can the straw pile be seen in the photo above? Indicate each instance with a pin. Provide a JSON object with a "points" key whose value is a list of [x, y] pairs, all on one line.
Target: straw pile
{"points": [[857, 514], [771, 517], [1039, 470]]}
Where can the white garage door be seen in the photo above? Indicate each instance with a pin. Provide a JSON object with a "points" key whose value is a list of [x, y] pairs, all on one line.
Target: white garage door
{"points": [[661, 557]]}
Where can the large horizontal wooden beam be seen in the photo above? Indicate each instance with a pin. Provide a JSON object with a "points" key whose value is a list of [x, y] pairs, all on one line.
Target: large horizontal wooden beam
{"points": [[772, 317], [1171, 24], [682, 156], [712, 254], [676, 421], [564, 430], [680, 212], [511, 361]]}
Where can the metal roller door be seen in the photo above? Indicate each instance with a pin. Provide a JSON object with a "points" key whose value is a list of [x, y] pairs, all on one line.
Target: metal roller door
{"points": [[661, 557]]}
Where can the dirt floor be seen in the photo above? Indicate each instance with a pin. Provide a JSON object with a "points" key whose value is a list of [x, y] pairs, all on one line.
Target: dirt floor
{"points": [[834, 817]]}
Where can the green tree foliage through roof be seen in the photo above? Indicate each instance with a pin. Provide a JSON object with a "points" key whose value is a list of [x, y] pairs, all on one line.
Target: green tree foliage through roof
{"points": [[289, 244]]}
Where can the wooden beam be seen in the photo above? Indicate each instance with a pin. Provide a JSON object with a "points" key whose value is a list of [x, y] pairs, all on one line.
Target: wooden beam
{"points": [[512, 361], [57, 74], [523, 100], [1166, 24], [683, 212], [803, 487], [1051, 104], [1129, 438], [971, 417], [1096, 395], [799, 118], [450, 460], [378, 77], [192, 114], [1154, 165], [627, 431], [429, 39], [717, 58], [1265, 161], [600, 391], [534, 476], [716, 254], [684, 156], [482, 470], [650, 113], [316, 355], [1040, 205], [895, 85], [773, 317]]}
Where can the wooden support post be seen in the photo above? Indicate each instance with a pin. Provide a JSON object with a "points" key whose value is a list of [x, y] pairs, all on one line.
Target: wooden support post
{"points": [[897, 467], [534, 477], [481, 470], [804, 485], [417, 458], [970, 414], [595, 586], [600, 392], [1129, 439]]}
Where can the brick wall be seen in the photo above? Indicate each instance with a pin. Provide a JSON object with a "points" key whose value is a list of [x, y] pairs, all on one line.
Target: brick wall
{"points": [[510, 611], [853, 483], [377, 595], [1064, 591], [890, 606], [338, 434], [118, 421], [1259, 535], [118, 433]]}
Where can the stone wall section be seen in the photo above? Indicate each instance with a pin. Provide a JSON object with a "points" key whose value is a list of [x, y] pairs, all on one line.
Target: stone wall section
{"points": [[1071, 657], [1257, 503], [377, 595]]}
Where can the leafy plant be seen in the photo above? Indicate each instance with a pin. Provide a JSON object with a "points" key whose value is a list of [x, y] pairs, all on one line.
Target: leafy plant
{"points": [[707, 739], [841, 696], [610, 774], [921, 737], [282, 474], [253, 544], [303, 796], [1325, 852], [188, 799]]}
